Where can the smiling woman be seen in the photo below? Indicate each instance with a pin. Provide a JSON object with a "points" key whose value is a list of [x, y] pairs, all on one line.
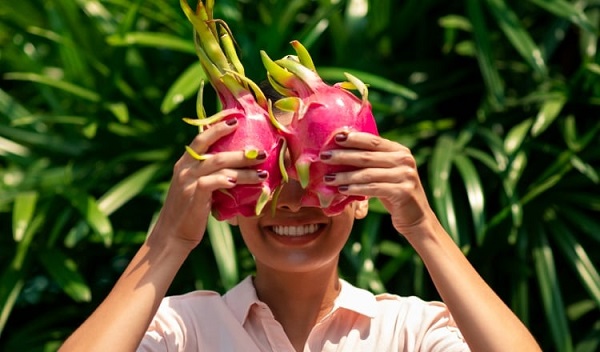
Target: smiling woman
{"points": [[495, 95], [296, 299]]}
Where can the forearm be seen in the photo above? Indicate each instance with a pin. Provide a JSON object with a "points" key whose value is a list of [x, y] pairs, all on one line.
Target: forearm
{"points": [[120, 322], [484, 320]]}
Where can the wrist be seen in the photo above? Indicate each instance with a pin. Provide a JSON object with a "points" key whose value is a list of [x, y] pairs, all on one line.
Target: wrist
{"points": [[170, 244]]}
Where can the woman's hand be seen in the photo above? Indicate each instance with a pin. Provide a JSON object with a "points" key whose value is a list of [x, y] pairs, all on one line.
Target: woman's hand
{"points": [[386, 170], [188, 202]]}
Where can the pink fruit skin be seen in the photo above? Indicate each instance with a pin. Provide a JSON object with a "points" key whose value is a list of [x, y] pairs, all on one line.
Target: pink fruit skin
{"points": [[330, 110], [254, 131]]}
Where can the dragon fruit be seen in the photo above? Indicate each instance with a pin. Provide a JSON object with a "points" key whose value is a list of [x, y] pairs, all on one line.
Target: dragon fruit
{"points": [[243, 100], [320, 112]]}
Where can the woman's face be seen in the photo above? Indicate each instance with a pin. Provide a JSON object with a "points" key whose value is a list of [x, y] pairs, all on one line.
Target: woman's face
{"points": [[297, 238]]}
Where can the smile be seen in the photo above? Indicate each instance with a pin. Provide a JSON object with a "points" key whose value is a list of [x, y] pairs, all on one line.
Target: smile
{"points": [[295, 230]]}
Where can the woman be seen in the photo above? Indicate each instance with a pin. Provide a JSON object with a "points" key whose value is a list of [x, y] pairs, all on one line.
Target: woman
{"points": [[296, 301]]}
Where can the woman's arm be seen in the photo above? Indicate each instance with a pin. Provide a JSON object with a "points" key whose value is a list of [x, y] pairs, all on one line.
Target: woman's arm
{"points": [[119, 323], [388, 171]]}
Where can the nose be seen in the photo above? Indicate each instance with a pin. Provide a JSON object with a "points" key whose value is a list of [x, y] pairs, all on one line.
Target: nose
{"points": [[290, 197]]}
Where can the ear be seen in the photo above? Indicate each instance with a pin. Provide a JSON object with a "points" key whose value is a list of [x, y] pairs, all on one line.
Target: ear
{"points": [[361, 208], [232, 221]]}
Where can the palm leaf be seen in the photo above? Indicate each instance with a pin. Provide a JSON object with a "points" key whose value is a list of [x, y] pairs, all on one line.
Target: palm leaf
{"points": [[550, 291]]}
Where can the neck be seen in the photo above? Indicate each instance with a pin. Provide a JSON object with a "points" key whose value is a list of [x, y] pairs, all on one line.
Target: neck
{"points": [[298, 300]]}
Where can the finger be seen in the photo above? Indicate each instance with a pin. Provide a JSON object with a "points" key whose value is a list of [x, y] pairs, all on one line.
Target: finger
{"points": [[202, 142], [227, 160], [366, 141], [372, 175], [379, 190], [364, 159], [245, 176]]}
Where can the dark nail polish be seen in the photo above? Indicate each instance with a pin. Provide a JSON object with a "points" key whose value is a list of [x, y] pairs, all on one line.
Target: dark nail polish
{"points": [[262, 155], [232, 180], [329, 177], [326, 155], [343, 188], [341, 137], [262, 174], [232, 121]]}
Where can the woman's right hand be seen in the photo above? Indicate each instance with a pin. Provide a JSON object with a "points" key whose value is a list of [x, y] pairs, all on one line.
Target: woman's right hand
{"points": [[188, 203]]}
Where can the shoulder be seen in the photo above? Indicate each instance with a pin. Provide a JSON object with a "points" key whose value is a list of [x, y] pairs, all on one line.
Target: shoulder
{"points": [[388, 305], [407, 321], [185, 322], [413, 309]]}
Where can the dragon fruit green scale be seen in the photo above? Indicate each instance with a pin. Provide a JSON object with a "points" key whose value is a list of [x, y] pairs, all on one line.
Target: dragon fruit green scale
{"points": [[320, 112]]}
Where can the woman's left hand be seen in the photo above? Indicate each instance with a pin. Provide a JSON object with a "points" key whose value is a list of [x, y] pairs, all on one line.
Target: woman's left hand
{"points": [[386, 170]]}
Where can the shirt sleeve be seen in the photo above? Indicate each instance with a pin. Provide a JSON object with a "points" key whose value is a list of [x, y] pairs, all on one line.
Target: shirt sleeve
{"points": [[438, 331], [153, 341], [165, 332]]}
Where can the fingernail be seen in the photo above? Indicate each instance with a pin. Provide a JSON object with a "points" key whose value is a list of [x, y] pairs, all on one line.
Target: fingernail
{"points": [[262, 155], [262, 174], [232, 121], [326, 155], [341, 137], [343, 188], [231, 180], [329, 177]]}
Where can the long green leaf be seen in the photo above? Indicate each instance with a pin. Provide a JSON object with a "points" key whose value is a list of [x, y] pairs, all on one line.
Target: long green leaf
{"points": [[475, 194], [47, 142], [577, 257], [368, 276], [547, 114], [11, 284], [125, 190], [14, 276], [517, 35], [95, 218], [439, 175], [153, 40], [65, 86], [64, 271], [568, 11], [551, 292], [490, 74], [23, 210], [337, 74], [516, 136], [185, 86], [10, 107], [221, 239], [586, 224]]}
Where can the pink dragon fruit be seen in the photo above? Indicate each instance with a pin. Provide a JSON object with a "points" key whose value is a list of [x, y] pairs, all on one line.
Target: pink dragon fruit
{"points": [[320, 112], [241, 99]]}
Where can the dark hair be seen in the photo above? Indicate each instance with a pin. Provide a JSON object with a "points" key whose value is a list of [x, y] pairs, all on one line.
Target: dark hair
{"points": [[269, 91]]}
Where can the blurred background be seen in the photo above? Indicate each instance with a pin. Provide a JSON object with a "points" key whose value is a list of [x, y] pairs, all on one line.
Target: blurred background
{"points": [[498, 99]]}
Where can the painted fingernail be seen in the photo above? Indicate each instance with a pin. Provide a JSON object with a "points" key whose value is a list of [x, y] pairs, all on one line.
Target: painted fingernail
{"points": [[341, 137], [231, 180], [262, 155], [232, 121], [326, 155], [262, 174], [343, 188], [329, 177]]}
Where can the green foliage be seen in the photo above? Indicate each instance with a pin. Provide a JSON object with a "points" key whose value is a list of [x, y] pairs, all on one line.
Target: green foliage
{"points": [[499, 101]]}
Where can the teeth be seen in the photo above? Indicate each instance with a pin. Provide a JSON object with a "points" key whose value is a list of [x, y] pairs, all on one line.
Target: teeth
{"points": [[295, 230]]}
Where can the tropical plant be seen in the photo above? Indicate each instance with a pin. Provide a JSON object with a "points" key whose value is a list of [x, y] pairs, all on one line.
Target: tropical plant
{"points": [[499, 101]]}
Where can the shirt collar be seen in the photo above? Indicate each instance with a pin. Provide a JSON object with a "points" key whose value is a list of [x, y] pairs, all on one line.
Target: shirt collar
{"points": [[242, 297], [356, 299]]}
